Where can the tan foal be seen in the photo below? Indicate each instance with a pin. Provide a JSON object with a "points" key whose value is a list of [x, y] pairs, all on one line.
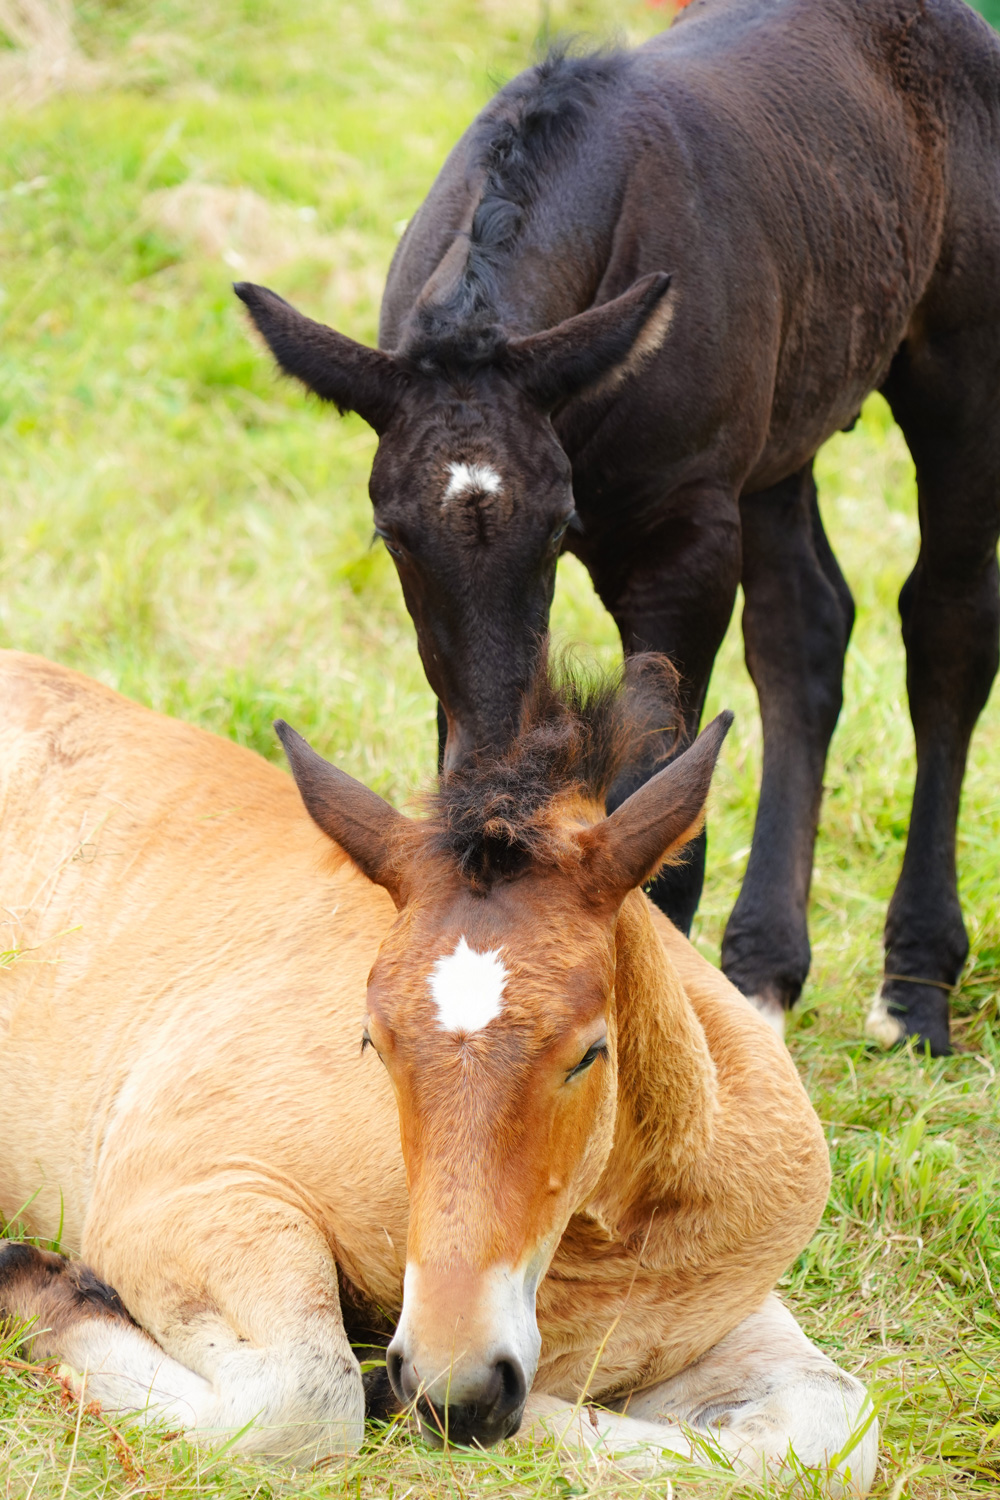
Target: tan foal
{"points": [[454, 1070]]}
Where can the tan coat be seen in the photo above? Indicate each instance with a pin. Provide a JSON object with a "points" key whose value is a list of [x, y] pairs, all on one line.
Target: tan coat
{"points": [[184, 1099]]}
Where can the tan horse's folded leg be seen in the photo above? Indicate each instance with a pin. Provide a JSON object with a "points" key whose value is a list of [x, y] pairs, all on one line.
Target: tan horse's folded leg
{"points": [[596, 1431], [239, 1330], [765, 1399], [74, 1317]]}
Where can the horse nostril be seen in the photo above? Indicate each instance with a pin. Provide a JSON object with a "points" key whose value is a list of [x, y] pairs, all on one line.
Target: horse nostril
{"points": [[513, 1389], [396, 1370]]}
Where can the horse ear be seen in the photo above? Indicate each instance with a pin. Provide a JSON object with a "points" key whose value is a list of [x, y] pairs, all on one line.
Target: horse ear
{"points": [[352, 376], [598, 348], [364, 825], [666, 812]]}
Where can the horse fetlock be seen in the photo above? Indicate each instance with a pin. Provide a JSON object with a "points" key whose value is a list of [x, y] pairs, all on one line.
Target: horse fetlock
{"points": [[768, 963], [903, 1009], [770, 1005], [303, 1404]]}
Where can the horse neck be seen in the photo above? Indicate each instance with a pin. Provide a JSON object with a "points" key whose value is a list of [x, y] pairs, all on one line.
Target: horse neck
{"points": [[667, 1091], [523, 294]]}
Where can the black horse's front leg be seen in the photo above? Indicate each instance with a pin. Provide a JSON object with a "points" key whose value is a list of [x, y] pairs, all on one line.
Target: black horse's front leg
{"points": [[943, 393], [796, 624], [673, 592]]}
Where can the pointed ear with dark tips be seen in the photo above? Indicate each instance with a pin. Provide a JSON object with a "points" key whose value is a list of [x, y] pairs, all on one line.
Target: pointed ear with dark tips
{"points": [[352, 376], [363, 824], [597, 349], [664, 814]]}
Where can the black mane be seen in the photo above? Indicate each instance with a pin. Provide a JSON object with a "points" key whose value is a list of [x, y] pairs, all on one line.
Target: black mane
{"points": [[574, 738], [523, 134]]}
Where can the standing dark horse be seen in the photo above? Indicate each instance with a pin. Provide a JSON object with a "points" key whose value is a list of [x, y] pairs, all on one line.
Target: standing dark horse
{"points": [[821, 179]]}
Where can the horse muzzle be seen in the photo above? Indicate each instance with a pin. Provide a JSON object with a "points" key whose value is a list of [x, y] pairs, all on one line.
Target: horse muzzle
{"points": [[465, 1352], [481, 1411]]}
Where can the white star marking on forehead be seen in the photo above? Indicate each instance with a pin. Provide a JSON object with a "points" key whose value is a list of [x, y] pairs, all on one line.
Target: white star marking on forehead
{"points": [[472, 479], [467, 988]]}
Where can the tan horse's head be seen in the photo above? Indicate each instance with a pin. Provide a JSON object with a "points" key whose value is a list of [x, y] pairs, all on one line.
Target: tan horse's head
{"points": [[491, 1005]]}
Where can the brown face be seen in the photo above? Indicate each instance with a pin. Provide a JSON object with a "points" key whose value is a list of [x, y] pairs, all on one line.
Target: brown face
{"points": [[492, 1015], [492, 1010]]}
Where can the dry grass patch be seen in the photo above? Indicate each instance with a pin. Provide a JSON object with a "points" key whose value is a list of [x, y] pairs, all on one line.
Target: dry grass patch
{"points": [[45, 58]]}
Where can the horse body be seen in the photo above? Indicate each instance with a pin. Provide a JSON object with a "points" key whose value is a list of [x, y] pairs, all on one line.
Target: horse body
{"points": [[780, 327], [184, 1098], [178, 937], [820, 180]]}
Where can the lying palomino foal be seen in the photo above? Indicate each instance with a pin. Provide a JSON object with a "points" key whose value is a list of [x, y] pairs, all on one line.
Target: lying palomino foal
{"points": [[607, 1158]]}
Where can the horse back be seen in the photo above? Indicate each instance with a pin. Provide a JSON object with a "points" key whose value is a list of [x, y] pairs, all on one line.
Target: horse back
{"points": [[802, 168]]}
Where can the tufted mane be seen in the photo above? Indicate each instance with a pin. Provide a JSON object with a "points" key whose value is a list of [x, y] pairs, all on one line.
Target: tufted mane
{"points": [[493, 815], [532, 123]]}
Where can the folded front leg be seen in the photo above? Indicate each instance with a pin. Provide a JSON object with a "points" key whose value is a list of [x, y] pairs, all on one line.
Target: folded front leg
{"points": [[595, 1431], [764, 1401], [774, 1404], [69, 1314], [224, 1320]]}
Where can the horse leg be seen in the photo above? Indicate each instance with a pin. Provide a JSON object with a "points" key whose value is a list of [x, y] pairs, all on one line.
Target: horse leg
{"points": [[764, 1400], [796, 624], [225, 1316], [675, 596], [944, 394]]}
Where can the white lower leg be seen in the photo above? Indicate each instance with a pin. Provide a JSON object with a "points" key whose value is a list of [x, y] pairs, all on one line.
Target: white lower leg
{"points": [[774, 1404], [820, 1424], [596, 1432], [305, 1406], [771, 1008], [126, 1371], [880, 1025]]}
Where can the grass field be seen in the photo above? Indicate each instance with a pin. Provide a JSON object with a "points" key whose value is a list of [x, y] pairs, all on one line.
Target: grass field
{"points": [[181, 525]]}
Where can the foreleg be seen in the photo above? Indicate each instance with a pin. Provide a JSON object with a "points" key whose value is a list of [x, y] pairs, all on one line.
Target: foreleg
{"points": [[764, 1401], [672, 591], [224, 1320], [796, 624]]}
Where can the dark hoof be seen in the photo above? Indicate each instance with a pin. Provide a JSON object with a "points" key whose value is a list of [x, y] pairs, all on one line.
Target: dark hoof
{"points": [[902, 1010]]}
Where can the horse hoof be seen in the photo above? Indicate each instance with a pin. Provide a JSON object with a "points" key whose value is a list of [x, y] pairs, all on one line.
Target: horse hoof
{"points": [[901, 1011]]}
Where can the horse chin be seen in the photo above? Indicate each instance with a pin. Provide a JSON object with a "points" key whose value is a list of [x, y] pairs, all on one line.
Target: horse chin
{"points": [[462, 1426]]}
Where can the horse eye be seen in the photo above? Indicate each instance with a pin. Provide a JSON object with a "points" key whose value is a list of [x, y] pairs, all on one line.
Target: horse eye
{"points": [[393, 548], [366, 1042], [586, 1060]]}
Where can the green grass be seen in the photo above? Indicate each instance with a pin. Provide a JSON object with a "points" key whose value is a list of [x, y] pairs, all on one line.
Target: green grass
{"points": [[185, 527]]}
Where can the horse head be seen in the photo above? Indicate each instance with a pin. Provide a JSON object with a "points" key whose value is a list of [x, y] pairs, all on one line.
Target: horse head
{"points": [[491, 1004], [471, 489]]}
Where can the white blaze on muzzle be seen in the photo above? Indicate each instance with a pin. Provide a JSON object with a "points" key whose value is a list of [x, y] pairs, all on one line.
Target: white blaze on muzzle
{"points": [[453, 1345]]}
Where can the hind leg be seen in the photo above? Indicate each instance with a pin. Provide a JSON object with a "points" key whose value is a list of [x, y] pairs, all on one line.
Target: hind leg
{"points": [[945, 395], [796, 625]]}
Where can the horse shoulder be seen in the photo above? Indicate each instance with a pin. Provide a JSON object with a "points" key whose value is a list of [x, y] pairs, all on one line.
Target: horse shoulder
{"points": [[768, 1138]]}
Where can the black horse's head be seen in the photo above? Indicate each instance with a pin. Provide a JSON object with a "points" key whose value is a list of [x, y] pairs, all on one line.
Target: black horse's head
{"points": [[471, 488]]}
